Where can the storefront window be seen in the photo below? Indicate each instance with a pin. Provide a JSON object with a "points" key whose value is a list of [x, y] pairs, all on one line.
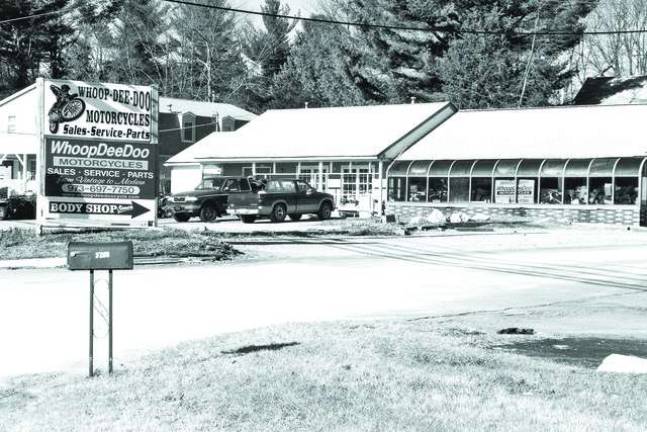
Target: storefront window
{"points": [[419, 169], [459, 189], [602, 167], [437, 190], [529, 168], [601, 190], [483, 168], [551, 191], [417, 189], [440, 168], [399, 168], [462, 168], [482, 189], [575, 190], [626, 191], [552, 186], [628, 167], [397, 189], [506, 168]]}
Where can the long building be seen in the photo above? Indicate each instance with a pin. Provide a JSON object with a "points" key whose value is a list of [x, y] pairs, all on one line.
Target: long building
{"points": [[571, 163], [575, 163]]}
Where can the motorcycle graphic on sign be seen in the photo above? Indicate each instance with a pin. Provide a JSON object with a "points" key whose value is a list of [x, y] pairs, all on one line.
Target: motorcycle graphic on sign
{"points": [[68, 107]]}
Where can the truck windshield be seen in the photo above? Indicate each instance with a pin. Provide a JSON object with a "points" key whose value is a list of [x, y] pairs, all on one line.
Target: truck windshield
{"points": [[211, 183]]}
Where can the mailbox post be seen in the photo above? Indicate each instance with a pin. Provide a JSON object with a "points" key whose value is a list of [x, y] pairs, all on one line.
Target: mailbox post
{"points": [[100, 256]]}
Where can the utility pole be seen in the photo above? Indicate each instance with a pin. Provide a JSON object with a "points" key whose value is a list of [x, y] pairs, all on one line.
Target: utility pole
{"points": [[532, 53]]}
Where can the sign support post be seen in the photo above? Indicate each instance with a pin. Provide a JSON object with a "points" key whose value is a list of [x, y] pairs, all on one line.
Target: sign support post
{"points": [[100, 256], [109, 322], [91, 371]]}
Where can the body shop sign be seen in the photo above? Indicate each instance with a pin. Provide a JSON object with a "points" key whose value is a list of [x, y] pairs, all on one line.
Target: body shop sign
{"points": [[95, 169], [117, 112]]}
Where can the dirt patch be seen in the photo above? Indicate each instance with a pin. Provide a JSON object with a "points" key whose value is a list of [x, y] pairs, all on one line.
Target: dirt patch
{"points": [[586, 352], [256, 348]]}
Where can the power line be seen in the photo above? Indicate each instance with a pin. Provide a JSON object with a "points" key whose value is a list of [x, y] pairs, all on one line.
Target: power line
{"points": [[404, 27], [38, 15]]}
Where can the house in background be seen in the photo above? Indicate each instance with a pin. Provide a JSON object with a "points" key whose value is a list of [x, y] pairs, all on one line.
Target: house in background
{"points": [[19, 141], [613, 91], [183, 122]]}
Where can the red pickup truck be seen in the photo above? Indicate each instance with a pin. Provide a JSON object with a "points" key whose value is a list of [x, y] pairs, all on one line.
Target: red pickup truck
{"points": [[280, 198]]}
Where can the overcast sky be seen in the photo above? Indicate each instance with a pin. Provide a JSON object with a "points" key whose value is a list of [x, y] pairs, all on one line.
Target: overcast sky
{"points": [[305, 7]]}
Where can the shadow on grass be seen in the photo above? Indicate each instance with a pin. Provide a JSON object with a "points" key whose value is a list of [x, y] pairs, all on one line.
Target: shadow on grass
{"points": [[587, 352], [255, 348]]}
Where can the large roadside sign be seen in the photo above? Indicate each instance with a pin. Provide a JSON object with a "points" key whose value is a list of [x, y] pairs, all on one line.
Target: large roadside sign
{"points": [[100, 157]]}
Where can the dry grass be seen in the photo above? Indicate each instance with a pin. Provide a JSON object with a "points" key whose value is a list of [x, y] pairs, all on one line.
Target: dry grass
{"points": [[22, 243], [370, 376], [331, 228], [18, 243]]}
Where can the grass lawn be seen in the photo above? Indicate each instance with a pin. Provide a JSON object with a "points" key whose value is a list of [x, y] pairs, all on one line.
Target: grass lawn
{"points": [[360, 376]]}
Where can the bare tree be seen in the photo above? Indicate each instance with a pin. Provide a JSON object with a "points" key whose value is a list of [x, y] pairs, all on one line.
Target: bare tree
{"points": [[620, 54]]}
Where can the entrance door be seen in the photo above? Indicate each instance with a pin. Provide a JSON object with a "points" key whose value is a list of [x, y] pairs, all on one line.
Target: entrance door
{"points": [[357, 187]]}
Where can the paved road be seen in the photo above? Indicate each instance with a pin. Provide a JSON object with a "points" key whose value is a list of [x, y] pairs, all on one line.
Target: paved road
{"points": [[44, 313]]}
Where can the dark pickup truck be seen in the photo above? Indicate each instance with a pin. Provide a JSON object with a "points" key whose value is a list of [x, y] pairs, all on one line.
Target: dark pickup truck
{"points": [[210, 199], [18, 207], [280, 198]]}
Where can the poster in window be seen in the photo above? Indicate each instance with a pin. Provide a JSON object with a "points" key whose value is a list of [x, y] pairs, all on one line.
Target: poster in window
{"points": [[526, 191], [504, 191]]}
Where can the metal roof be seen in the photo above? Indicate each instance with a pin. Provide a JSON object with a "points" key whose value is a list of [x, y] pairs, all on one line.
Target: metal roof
{"points": [[613, 91], [321, 133], [204, 109], [537, 133]]}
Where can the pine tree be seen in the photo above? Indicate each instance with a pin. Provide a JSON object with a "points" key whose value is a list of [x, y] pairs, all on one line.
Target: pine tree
{"points": [[210, 65], [317, 71], [33, 47], [416, 59], [141, 44], [267, 49]]}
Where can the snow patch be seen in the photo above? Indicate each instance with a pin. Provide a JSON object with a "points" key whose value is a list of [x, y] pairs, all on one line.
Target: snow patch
{"points": [[618, 363]]}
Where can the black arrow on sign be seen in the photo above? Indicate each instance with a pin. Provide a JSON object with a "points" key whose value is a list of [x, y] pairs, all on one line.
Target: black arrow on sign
{"points": [[133, 210]]}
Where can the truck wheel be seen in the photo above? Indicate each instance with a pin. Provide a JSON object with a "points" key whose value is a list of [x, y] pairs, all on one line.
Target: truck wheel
{"points": [[324, 211], [181, 217], [278, 213], [248, 218], [295, 216], [208, 213]]}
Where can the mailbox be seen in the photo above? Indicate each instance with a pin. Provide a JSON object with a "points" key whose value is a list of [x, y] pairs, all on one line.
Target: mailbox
{"points": [[100, 256]]}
